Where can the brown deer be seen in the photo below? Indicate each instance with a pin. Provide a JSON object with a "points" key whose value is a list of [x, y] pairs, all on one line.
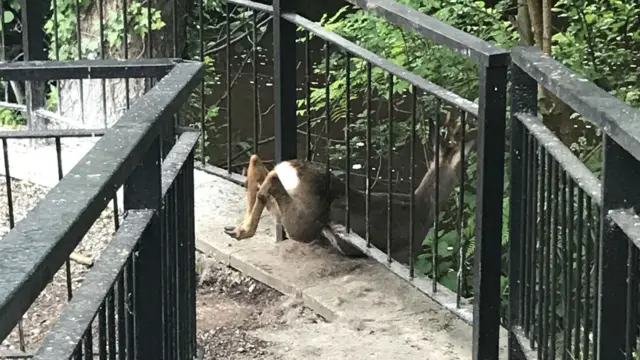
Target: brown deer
{"points": [[310, 202]]}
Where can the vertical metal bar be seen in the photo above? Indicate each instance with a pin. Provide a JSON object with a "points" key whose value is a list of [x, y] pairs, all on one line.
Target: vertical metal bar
{"points": [[172, 326], [203, 131], [56, 39], [122, 331], [77, 353], [102, 332], [566, 270], [596, 280], [621, 175], [571, 247], [130, 309], [176, 38], [307, 98], [79, 49], [587, 279], [530, 160], [578, 274], [256, 109], [142, 190], [168, 253], [166, 291], [460, 221], [60, 175], [88, 344], [102, 56], [7, 181], [631, 323], [523, 100], [191, 250], [369, 151], [125, 41], [532, 240], [541, 250], [390, 170], [327, 99], [347, 140], [488, 251], [436, 196], [553, 262], [3, 52], [547, 257], [111, 324], [524, 255], [412, 162], [227, 28], [284, 40], [149, 36], [33, 38], [182, 280]]}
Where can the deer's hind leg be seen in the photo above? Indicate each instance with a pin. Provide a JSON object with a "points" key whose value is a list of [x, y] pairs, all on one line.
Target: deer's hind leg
{"points": [[256, 174], [264, 194]]}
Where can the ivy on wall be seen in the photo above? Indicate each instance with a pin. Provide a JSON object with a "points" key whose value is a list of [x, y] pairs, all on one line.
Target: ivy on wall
{"points": [[114, 29]]}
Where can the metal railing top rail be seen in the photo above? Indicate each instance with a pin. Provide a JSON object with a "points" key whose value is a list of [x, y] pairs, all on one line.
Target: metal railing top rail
{"points": [[81, 310], [614, 117], [86, 69], [54, 227], [629, 222], [569, 162], [397, 70], [53, 133], [431, 28]]}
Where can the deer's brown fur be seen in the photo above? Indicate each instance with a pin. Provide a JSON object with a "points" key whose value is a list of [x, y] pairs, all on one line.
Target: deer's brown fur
{"points": [[310, 203]]}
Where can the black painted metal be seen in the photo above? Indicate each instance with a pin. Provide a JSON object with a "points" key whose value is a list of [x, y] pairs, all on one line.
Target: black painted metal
{"points": [[620, 191], [129, 153], [614, 117], [598, 264], [431, 28], [81, 310], [284, 50], [86, 69], [523, 99], [33, 39], [491, 117]]}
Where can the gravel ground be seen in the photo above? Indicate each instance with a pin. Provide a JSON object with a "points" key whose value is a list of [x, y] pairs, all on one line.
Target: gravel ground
{"points": [[230, 305], [48, 306]]}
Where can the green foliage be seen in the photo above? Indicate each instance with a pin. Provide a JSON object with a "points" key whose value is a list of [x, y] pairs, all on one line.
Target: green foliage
{"points": [[11, 118], [66, 28], [602, 43]]}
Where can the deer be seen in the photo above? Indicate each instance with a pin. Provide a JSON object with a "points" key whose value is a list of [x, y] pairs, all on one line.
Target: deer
{"points": [[309, 202]]}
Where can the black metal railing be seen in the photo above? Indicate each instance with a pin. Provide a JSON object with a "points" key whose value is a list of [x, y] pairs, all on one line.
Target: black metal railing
{"points": [[573, 262], [390, 222], [138, 300]]}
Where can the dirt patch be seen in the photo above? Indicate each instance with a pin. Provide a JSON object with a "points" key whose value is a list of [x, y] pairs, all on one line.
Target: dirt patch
{"points": [[231, 306]]}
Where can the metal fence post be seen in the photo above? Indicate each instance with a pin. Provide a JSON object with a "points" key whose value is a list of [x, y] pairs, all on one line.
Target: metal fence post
{"points": [[142, 190], [491, 133], [284, 48], [523, 99], [33, 42], [620, 190]]}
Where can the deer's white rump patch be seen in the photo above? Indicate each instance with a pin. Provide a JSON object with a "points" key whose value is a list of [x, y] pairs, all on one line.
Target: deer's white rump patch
{"points": [[288, 176]]}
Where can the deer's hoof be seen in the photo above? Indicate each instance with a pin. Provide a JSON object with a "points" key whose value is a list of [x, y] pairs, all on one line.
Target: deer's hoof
{"points": [[237, 233]]}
